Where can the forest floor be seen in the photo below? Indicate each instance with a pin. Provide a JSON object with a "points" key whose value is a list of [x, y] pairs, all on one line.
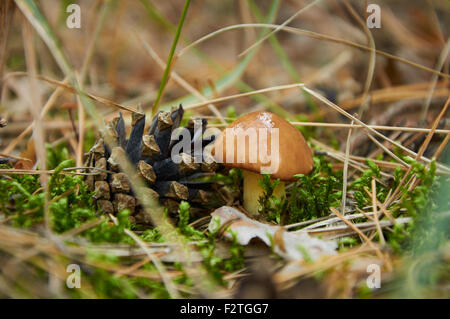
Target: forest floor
{"points": [[371, 220]]}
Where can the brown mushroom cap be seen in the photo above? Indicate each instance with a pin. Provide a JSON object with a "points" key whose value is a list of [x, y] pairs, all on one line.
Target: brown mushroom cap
{"points": [[295, 157]]}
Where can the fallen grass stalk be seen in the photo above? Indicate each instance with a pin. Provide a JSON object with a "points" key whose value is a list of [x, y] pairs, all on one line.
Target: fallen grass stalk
{"points": [[383, 208], [171, 289], [286, 275], [35, 104], [334, 232], [441, 146], [179, 80], [359, 232], [343, 112], [78, 230], [353, 160], [440, 64], [345, 172], [386, 150], [375, 212], [230, 97], [79, 92], [257, 43], [16, 171], [352, 126], [371, 65], [421, 151], [48, 255], [312, 35], [375, 127], [47, 107]]}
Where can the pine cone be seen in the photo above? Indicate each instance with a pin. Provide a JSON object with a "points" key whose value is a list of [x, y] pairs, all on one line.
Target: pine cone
{"points": [[151, 154]]}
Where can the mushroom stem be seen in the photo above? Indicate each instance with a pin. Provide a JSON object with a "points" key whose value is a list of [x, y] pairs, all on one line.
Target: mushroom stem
{"points": [[253, 191]]}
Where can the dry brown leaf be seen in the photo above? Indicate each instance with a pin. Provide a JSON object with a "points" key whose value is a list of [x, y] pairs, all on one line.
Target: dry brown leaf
{"points": [[29, 155], [289, 245]]}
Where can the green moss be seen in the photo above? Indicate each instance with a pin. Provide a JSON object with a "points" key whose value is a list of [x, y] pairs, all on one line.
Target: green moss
{"points": [[365, 182], [21, 200], [271, 207], [56, 155], [427, 205], [312, 195]]}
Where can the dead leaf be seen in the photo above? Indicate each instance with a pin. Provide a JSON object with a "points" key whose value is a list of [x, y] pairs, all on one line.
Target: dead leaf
{"points": [[278, 239], [29, 157], [289, 245], [3, 122]]}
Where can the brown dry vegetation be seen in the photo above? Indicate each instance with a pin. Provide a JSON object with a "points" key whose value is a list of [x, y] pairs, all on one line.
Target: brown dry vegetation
{"points": [[119, 56]]}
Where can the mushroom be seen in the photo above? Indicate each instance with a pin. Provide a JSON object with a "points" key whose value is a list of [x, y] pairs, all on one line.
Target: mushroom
{"points": [[263, 142]]}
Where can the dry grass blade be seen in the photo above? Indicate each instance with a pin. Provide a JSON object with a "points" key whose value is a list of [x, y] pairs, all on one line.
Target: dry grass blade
{"points": [[375, 212], [139, 226], [433, 129], [72, 89], [327, 263], [231, 97], [441, 146], [47, 107], [81, 79], [440, 64], [340, 110], [371, 64], [16, 171], [15, 157], [81, 131], [352, 126], [316, 36], [6, 15], [375, 127], [78, 230], [421, 151], [354, 160], [417, 91], [385, 149], [35, 104], [383, 208], [344, 176], [180, 80], [361, 234], [158, 264], [257, 43], [332, 232]]}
